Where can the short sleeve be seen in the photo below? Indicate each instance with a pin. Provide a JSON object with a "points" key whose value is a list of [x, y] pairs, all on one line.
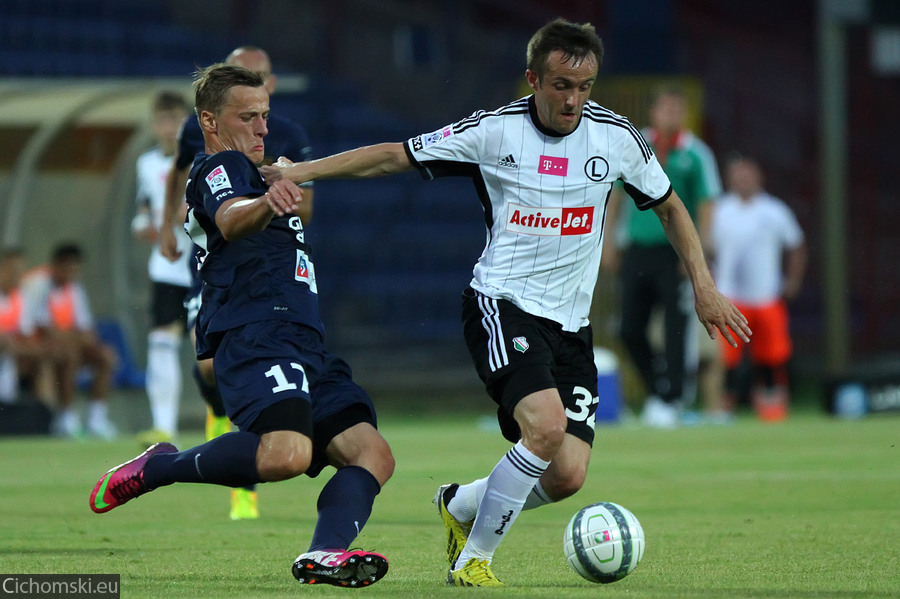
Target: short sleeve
{"points": [[451, 150], [643, 177], [227, 175], [709, 182], [791, 232], [190, 143], [142, 195]]}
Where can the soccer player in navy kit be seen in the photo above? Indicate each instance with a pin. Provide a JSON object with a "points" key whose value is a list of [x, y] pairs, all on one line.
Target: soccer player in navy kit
{"points": [[543, 167], [296, 405], [285, 138]]}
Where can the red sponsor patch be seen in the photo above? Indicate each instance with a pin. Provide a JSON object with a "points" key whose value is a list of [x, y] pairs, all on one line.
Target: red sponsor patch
{"points": [[550, 221]]}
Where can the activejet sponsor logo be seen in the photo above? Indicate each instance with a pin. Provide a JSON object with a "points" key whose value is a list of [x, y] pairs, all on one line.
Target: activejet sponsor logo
{"points": [[550, 221]]}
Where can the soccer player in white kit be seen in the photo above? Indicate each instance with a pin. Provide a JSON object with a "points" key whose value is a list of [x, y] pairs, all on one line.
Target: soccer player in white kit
{"points": [[171, 280], [543, 167]]}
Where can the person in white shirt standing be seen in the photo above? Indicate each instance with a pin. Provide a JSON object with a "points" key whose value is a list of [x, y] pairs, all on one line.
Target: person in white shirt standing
{"points": [[753, 233], [543, 167], [171, 280]]}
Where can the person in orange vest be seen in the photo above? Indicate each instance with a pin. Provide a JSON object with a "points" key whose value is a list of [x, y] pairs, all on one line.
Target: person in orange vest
{"points": [[63, 321], [11, 266], [21, 355]]}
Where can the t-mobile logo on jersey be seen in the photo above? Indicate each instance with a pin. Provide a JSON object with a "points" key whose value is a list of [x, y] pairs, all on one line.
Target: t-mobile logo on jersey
{"points": [[550, 221], [553, 165]]}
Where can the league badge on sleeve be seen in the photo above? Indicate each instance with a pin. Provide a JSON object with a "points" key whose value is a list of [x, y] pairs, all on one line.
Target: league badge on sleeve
{"points": [[423, 141], [218, 179]]}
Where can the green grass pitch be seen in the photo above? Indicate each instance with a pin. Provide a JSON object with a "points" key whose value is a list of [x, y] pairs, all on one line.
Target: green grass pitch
{"points": [[807, 508]]}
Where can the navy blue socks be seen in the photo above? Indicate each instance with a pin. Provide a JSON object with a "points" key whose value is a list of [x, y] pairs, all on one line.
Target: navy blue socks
{"points": [[228, 460], [344, 505]]}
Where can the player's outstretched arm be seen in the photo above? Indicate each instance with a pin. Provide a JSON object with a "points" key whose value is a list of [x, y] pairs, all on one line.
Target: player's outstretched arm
{"points": [[367, 161], [714, 310]]}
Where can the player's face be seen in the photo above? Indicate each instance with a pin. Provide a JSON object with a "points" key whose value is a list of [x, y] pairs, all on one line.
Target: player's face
{"points": [[241, 125], [165, 127], [561, 93], [64, 272], [744, 178], [668, 113]]}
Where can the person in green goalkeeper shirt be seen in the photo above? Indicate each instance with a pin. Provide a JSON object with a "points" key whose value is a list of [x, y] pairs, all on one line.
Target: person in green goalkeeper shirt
{"points": [[650, 272]]}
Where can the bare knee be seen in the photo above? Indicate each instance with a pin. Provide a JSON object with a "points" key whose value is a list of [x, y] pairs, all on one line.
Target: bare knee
{"points": [[542, 420], [362, 445], [283, 455], [379, 461], [566, 474], [561, 484]]}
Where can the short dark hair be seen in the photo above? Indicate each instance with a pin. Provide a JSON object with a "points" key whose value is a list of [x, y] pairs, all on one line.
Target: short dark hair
{"points": [[212, 84], [169, 100], [68, 251], [576, 40]]}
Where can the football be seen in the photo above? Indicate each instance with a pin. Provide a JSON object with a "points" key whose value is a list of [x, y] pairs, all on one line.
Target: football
{"points": [[604, 542]]}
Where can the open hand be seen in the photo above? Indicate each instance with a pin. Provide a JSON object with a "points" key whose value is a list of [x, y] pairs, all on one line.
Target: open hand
{"points": [[717, 312]]}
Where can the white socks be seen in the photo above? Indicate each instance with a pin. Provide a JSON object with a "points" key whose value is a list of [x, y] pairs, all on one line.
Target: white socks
{"points": [[464, 505], [164, 379], [536, 498], [505, 492]]}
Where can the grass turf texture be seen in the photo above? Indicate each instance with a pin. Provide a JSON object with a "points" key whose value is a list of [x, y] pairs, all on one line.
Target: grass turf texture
{"points": [[807, 508]]}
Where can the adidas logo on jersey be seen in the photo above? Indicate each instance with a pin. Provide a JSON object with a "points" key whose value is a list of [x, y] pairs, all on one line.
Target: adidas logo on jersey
{"points": [[508, 162]]}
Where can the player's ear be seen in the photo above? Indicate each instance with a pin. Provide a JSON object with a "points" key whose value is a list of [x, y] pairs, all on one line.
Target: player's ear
{"points": [[207, 121], [534, 82]]}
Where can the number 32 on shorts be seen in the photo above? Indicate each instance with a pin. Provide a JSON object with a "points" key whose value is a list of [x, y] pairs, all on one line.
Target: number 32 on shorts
{"points": [[281, 380], [584, 401]]}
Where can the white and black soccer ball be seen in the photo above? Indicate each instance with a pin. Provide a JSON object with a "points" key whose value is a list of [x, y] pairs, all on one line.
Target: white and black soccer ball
{"points": [[604, 542]]}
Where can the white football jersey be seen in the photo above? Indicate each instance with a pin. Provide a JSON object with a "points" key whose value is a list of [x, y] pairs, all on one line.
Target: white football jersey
{"points": [[152, 168], [544, 196], [749, 239]]}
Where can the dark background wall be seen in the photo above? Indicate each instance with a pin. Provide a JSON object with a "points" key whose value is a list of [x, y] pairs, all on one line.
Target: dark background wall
{"points": [[394, 253]]}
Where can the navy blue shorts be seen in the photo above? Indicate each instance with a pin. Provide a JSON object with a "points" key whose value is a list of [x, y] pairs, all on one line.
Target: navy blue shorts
{"points": [[262, 363]]}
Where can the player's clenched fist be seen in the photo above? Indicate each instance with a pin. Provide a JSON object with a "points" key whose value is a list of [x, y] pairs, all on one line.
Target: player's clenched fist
{"points": [[284, 197]]}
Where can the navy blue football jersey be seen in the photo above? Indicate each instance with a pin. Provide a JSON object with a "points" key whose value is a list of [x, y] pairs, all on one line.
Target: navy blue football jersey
{"points": [[263, 276]]}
